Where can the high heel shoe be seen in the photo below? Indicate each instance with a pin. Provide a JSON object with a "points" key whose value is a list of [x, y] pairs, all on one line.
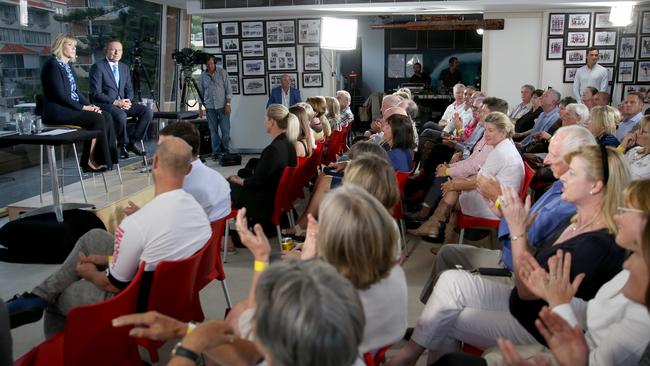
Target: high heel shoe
{"points": [[89, 169]]}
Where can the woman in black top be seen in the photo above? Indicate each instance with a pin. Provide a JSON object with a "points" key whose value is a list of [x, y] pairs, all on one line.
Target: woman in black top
{"points": [[527, 121]]}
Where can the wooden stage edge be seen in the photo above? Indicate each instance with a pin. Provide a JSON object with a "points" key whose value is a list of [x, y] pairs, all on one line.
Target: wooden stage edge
{"points": [[108, 206]]}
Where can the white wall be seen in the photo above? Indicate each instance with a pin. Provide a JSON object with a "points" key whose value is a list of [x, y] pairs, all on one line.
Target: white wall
{"points": [[372, 57]]}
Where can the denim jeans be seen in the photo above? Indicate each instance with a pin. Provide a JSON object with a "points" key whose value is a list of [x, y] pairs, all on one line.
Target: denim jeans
{"points": [[219, 119]]}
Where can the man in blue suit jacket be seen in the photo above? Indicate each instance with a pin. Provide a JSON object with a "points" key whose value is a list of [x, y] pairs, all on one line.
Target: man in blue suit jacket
{"points": [[112, 91], [284, 94]]}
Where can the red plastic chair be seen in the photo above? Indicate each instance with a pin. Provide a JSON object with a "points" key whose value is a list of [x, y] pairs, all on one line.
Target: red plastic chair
{"points": [[173, 293], [300, 178], [466, 221], [315, 161], [378, 358], [283, 203], [333, 147], [89, 337], [398, 211]]}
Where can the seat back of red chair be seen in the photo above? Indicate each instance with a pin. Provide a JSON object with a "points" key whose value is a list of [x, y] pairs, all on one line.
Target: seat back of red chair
{"points": [[529, 174], [282, 195], [210, 255], [315, 160], [299, 178], [402, 178], [333, 147], [91, 339]]}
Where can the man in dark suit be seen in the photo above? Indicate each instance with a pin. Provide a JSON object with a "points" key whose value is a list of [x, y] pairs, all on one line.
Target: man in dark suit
{"points": [[112, 91], [284, 94]]}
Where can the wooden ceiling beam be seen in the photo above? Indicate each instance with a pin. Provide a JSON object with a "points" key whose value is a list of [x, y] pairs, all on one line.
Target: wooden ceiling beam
{"points": [[487, 24]]}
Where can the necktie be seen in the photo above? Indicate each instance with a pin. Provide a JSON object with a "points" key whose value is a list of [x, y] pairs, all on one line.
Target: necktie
{"points": [[116, 74]]}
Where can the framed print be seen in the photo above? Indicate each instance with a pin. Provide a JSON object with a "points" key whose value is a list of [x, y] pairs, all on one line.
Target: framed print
{"points": [[252, 48], [606, 56], [312, 79], [234, 83], [610, 73], [627, 47], [218, 59], [311, 58], [579, 21], [643, 71], [632, 27], [577, 39], [254, 86], [645, 22], [601, 20], [644, 47], [570, 74], [280, 31], [575, 57], [252, 29], [555, 49], [275, 80], [229, 29], [232, 63], [625, 72], [281, 58], [604, 38], [230, 45], [556, 24], [253, 67], [308, 31], [211, 35]]}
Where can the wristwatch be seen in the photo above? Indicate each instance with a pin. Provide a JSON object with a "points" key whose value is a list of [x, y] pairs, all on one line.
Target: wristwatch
{"points": [[181, 351]]}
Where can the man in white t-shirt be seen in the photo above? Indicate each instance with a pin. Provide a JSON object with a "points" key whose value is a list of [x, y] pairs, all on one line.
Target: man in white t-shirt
{"points": [[171, 227]]}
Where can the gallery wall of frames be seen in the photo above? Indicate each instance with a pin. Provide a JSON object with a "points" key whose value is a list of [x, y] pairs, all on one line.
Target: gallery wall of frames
{"points": [[257, 53], [623, 51]]}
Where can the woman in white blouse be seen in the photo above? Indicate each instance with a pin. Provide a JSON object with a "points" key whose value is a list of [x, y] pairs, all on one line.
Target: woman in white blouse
{"points": [[638, 156]]}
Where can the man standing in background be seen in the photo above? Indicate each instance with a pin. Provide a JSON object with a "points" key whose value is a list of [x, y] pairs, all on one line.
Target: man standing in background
{"points": [[215, 89], [590, 74]]}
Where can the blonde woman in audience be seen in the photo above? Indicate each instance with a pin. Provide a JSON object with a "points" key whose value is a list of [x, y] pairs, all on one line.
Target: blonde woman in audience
{"points": [[638, 157], [305, 141], [319, 121], [468, 308], [404, 93], [602, 125], [333, 113]]}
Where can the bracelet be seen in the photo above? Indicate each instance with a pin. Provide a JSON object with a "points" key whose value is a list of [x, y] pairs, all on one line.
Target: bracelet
{"points": [[190, 327], [516, 237], [259, 266], [447, 171], [620, 148], [110, 258], [497, 203]]}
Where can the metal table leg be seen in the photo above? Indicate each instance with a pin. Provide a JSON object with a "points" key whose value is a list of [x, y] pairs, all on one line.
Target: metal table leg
{"points": [[56, 199]]}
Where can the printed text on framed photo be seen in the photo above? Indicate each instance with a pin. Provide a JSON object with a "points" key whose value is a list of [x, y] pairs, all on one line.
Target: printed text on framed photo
{"points": [[210, 34], [275, 80], [253, 67], [575, 57], [281, 58], [308, 31], [604, 38], [625, 72], [312, 79], [234, 83], [254, 86], [311, 58], [252, 29], [579, 21], [577, 39], [252, 48], [280, 31], [555, 49], [229, 29], [556, 24], [627, 47]]}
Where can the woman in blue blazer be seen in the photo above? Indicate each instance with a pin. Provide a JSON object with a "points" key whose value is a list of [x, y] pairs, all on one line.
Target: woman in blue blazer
{"points": [[63, 104]]}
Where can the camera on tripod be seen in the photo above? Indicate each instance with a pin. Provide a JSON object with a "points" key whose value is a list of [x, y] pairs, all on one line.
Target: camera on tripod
{"points": [[188, 57]]}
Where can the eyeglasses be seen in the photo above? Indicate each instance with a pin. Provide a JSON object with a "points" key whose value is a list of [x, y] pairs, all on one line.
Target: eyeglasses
{"points": [[628, 209]]}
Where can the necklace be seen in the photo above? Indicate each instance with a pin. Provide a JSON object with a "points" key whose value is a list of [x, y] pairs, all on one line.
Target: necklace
{"points": [[575, 227]]}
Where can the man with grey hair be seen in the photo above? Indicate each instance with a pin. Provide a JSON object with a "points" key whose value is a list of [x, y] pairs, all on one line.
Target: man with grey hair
{"points": [[347, 116], [526, 103], [172, 226], [549, 115], [389, 101], [456, 110], [411, 109], [284, 94], [549, 213]]}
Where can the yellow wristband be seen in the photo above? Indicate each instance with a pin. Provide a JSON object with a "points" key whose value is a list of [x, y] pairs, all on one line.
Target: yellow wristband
{"points": [[447, 171], [190, 327], [460, 130], [621, 148], [259, 266], [110, 258], [497, 203]]}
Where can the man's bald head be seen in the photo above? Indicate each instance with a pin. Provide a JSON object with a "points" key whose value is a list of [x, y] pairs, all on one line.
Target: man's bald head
{"points": [[174, 157]]}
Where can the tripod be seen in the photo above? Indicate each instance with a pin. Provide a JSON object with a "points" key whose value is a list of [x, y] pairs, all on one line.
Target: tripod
{"points": [[187, 83], [137, 69]]}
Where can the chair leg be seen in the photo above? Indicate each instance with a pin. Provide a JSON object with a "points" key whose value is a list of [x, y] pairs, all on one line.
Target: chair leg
{"points": [[226, 294], [62, 169], [105, 185], [277, 227], [462, 236], [81, 177], [119, 173], [225, 241], [402, 227], [144, 157], [41, 164]]}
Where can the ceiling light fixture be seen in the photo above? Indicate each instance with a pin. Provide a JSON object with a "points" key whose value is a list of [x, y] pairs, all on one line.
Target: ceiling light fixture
{"points": [[480, 31]]}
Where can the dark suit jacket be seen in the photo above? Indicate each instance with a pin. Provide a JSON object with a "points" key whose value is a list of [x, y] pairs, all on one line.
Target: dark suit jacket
{"points": [[58, 105], [103, 89], [276, 96]]}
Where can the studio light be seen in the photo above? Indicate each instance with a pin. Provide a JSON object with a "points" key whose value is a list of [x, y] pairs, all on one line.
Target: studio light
{"points": [[338, 34], [621, 14]]}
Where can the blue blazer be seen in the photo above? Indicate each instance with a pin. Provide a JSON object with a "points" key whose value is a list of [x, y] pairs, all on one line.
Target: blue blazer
{"points": [[103, 89], [276, 96], [58, 105]]}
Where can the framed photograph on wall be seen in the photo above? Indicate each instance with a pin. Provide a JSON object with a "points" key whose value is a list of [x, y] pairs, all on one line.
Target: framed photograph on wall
{"points": [[643, 71], [252, 29], [610, 73], [211, 34], [253, 67], [281, 58], [632, 27], [645, 22], [311, 58], [570, 74], [556, 24], [601, 20], [575, 57], [254, 86], [232, 63], [229, 45], [312, 79], [555, 49], [229, 29], [606, 56], [308, 31], [579, 21], [234, 83], [280, 31], [641, 88], [604, 38], [275, 80], [627, 47], [644, 47], [625, 72], [577, 39], [252, 48]]}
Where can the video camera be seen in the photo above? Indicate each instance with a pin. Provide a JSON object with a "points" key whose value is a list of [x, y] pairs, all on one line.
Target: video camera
{"points": [[188, 57]]}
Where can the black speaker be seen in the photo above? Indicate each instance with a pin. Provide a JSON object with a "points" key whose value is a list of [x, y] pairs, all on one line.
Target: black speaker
{"points": [[204, 131]]}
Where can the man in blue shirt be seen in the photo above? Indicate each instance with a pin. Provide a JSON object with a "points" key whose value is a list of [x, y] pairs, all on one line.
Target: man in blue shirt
{"points": [[550, 212], [631, 112], [547, 118]]}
